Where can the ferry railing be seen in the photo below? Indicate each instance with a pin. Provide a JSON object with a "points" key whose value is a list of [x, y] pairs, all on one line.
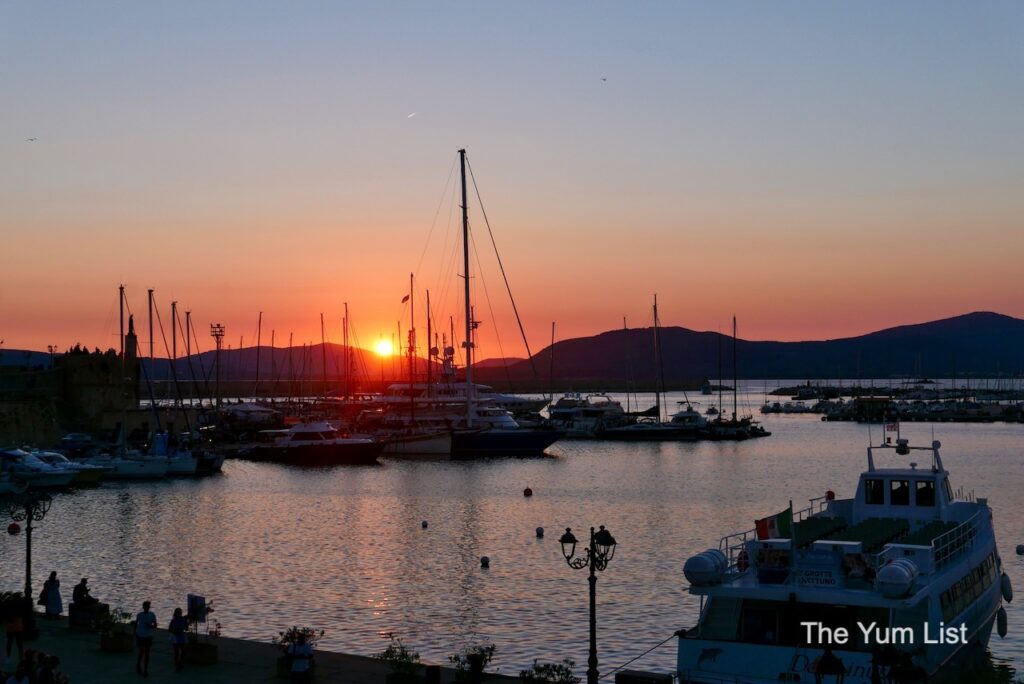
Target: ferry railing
{"points": [[947, 546], [942, 549], [731, 545]]}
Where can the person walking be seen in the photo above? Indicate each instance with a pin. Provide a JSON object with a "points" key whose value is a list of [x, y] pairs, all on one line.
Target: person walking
{"points": [[177, 628], [54, 603], [145, 625]]}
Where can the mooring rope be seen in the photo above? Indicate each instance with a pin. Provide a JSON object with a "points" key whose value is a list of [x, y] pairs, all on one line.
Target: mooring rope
{"points": [[630, 662]]}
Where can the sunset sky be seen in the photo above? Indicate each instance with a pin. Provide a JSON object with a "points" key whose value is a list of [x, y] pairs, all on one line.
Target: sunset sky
{"points": [[818, 169]]}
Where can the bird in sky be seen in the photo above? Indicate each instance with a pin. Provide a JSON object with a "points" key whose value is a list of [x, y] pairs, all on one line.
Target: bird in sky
{"points": [[411, 115], [604, 78], [31, 139]]}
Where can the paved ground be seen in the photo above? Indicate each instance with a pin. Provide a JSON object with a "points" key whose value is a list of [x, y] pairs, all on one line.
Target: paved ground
{"points": [[239, 661]]}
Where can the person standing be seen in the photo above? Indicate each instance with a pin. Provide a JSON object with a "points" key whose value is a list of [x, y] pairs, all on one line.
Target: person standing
{"points": [[145, 624], [177, 628], [54, 603], [14, 625]]}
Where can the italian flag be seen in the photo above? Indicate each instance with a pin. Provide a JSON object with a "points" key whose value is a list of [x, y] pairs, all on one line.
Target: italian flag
{"points": [[777, 526]]}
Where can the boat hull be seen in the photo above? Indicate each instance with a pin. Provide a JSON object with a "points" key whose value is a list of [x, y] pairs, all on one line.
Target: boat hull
{"points": [[653, 433], [484, 443], [128, 469], [436, 444], [209, 462], [361, 453]]}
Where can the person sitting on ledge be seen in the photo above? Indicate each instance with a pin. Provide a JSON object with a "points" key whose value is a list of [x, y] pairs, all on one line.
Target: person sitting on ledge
{"points": [[80, 596]]}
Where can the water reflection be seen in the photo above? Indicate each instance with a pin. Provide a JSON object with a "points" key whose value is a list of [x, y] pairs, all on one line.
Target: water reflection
{"points": [[342, 549]]}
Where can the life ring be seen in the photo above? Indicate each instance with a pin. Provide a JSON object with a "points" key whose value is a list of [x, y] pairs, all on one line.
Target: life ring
{"points": [[742, 561]]}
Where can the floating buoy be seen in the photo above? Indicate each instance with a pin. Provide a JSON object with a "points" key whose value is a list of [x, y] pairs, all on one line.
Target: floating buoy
{"points": [[1020, 549], [527, 492], [485, 562], [540, 533], [13, 528], [423, 524], [1001, 622], [1007, 588]]}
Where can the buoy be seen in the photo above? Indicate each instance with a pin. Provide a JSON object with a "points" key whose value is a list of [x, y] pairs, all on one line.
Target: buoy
{"points": [[1001, 622], [1007, 588], [540, 533], [527, 492], [423, 524], [485, 562], [1020, 549], [13, 528]]}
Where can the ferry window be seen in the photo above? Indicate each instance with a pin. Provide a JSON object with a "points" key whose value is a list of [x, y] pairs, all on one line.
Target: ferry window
{"points": [[925, 493], [899, 495], [874, 492]]}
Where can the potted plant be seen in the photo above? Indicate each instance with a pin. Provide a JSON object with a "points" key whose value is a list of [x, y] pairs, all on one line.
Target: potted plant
{"points": [[470, 663], [550, 673], [293, 635], [404, 662], [201, 648], [116, 634]]}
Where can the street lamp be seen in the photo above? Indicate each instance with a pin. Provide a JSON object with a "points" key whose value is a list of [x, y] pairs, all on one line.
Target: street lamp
{"points": [[28, 508], [596, 557]]}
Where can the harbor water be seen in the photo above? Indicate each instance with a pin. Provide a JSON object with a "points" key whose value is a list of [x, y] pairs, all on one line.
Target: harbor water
{"points": [[343, 549]]}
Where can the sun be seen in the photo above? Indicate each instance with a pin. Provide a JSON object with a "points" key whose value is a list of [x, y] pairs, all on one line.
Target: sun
{"points": [[383, 348]]}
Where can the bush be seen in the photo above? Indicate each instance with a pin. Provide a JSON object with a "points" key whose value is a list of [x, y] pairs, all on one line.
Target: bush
{"points": [[470, 663], [550, 673], [401, 659]]}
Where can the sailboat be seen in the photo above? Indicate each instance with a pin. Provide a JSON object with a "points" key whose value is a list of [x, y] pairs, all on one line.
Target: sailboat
{"points": [[735, 428], [685, 425], [485, 430]]}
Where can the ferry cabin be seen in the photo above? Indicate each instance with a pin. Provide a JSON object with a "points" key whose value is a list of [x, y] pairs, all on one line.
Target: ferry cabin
{"points": [[891, 566]]}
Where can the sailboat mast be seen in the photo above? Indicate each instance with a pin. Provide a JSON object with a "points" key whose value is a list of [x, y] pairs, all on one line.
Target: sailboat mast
{"points": [[412, 352], [150, 291], [345, 345], [660, 382], [735, 383], [174, 349], [323, 355], [465, 270], [259, 340], [121, 304], [430, 347]]}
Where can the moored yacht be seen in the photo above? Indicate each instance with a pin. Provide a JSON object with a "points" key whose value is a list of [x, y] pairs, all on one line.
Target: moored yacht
{"points": [[585, 416], [907, 568], [26, 467], [314, 444]]}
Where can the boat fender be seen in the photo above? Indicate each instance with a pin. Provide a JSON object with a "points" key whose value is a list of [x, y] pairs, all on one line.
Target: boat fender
{"points": [[1007, 588], [1020, 549], [742, 560], [1001, 622], [705, 568]]}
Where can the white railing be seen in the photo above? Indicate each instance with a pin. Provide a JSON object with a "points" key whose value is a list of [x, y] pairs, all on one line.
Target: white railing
{"points": [[732, 544], [947, 546]]}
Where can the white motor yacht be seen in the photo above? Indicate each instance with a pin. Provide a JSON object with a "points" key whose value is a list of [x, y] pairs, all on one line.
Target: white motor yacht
{"points": [[86, 475], [27, 467]]}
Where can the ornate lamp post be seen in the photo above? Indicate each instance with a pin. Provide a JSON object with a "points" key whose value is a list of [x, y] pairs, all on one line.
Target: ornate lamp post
{"points": [[28, 508], [595, 557]]}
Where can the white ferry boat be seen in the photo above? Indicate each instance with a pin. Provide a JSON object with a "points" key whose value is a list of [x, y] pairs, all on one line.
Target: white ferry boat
{"points": [[908, 568]]}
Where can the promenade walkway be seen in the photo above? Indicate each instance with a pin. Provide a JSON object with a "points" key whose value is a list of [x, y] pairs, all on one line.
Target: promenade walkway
{"points": [[240, 661]]}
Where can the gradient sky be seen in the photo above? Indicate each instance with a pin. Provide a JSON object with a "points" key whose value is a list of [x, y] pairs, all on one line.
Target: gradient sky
{"points": [[819, 169]]}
